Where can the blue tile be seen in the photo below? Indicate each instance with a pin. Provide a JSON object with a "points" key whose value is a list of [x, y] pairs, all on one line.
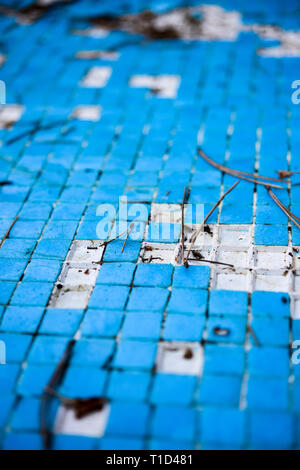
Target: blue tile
{"points": [[118, 443], [133, 354], [268, 362], [229, 302], [83, 382], [23, 441], [8, 377], [47, 350], [65, 442], [109, 297], [94, 352], [220, 391], [271, 235], [142, 325], [174, 423], [116, 273], [6, 290], [188, 301], [21, 319], [153, 275], [223, 425], [148, 299], [193, 276], [32, 293], [271, 429], [34, 379], [61, 230], [267, 394], [271, 331], [226, 329], [61, 321], [271, 304], [130, 252], [11, 269], [127, 419], [224, 359], [42, 270], [128, 386], [104, 323], [170, 389], [183, 327], [52, 249], [16, 346]]}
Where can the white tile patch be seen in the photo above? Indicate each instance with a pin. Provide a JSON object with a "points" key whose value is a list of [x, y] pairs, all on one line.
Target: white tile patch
{"points": [[97, 77], [97, 54], [232, 280], [10, 113], [92, 425], [164, 86], [180, 358], [235, 235], [78, 275], [68, 297], [87, 113]]}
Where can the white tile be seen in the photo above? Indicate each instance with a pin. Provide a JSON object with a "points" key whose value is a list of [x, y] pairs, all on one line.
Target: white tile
{"points": [[85, 251], [269, 281], [97, 77], [233, 235], [10, 113], [231, 280], [271, 259], [167, 213], [67, 297], [237, 258], [180, 358], [158, 253], [164, 86], [87, 113], [78, 276], [92, 425]]}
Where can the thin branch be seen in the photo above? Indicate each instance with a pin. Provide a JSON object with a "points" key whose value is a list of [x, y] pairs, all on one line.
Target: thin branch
{"points": [[241, 174], [128, 232], [54, 380], [8, 231], [213, 262], [250, 329], [182, 223], [288, 213], [205, 219]]}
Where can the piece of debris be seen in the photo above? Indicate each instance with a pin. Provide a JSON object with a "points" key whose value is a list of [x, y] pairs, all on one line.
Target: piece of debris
{"points": [[6, 235], [221, 331], [194, 237], [54, 380], [287, 212], [188, 354], [252, 177]]}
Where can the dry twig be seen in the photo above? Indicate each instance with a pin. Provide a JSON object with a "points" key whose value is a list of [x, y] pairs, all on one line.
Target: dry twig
{"points": [[242, 174], [287, 212], [8, 230], [193, 239]]}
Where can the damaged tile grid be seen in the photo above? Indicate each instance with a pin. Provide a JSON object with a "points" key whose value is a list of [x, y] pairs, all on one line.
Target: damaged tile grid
{"points": [[185, 358]]}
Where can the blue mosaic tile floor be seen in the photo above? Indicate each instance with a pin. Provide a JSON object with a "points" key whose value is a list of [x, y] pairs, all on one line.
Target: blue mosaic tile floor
{"points": [[197, 358]]}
